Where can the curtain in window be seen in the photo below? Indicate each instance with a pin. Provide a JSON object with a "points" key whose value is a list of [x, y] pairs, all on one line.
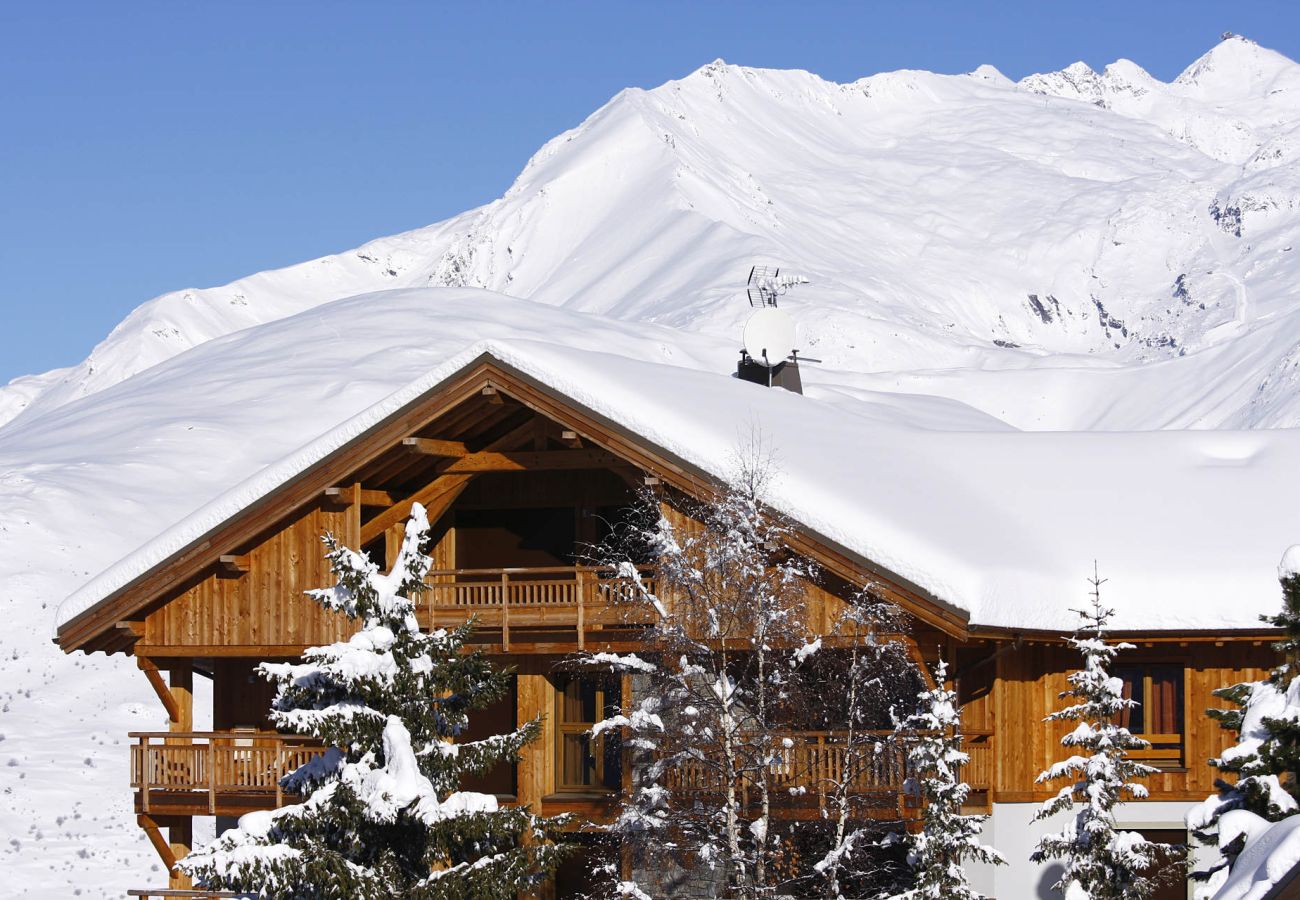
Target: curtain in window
{"points": [[1166, 705]]}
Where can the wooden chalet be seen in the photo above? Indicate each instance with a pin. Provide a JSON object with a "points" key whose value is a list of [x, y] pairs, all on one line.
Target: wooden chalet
{"points": [[518, 477]]}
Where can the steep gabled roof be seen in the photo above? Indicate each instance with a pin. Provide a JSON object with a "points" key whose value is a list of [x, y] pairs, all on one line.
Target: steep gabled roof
{"points": [[186, 550]]}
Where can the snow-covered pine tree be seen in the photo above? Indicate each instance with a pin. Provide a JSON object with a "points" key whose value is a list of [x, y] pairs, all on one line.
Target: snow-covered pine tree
{"points": [[948, 838], [1100, 862], [728, 623], [727, 665], [383, 816], [1266, 758]]}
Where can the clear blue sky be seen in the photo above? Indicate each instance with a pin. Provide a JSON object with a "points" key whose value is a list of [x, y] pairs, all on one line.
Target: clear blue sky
{"points": [[150, 146]]}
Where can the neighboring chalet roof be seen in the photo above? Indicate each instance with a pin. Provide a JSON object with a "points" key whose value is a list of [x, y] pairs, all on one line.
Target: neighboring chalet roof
{"points": [[997, 527]]}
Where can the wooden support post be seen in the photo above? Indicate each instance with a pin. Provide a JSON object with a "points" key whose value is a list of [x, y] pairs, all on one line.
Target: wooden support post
{"points": [[536, 769], [584, 589], [279, 774], [180, 837], [182, 691], [144, 770], [393, 535], [354, 517], [505, 613]]}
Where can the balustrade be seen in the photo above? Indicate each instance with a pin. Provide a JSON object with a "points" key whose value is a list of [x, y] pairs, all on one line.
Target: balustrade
{"points": [[550, 596], [216, 763], [815, 763]]}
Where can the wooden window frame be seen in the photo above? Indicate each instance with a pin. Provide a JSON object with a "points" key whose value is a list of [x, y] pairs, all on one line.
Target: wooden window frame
{"points": [[565, 729], [1168, 751]]}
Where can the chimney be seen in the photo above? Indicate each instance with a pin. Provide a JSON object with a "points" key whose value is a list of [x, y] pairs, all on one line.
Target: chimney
{"points": [[783, 375]]}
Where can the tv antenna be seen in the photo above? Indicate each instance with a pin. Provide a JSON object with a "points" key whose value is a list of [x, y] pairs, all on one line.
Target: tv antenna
{"points": [[766, 283], [769, 355]]}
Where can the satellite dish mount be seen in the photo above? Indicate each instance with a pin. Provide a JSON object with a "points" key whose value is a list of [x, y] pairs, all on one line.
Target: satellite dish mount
{"points": [[769, 356]]}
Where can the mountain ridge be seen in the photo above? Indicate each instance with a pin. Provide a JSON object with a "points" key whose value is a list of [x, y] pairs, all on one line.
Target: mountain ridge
{"points": [[949, 223]]}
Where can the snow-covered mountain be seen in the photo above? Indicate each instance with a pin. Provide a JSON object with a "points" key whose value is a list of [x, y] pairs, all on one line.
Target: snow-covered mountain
{"points": [[1035, 250], [1078, 251]]}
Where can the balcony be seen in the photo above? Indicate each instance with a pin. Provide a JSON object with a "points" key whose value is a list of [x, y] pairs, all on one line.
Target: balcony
{"points": [[214, 773], [815, 762], [533, 604], [232, 773]]}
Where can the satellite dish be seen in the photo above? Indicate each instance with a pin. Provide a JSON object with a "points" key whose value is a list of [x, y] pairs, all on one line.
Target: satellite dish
{"points": [[769, 336]]}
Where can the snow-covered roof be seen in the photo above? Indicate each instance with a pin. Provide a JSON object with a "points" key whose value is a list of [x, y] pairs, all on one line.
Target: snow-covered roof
{"points": [[1003, 525]]}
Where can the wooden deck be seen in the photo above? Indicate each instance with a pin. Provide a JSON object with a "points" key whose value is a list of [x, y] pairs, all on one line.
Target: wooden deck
{"points": [[214, 773]]}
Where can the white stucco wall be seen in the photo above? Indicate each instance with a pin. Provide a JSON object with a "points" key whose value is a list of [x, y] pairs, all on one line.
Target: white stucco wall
{"points": [[1013, 831]]}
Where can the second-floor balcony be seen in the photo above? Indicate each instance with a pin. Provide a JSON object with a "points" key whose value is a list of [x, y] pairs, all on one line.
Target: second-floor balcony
{"points": [[811, 766], [229, 773], [218, 773]]}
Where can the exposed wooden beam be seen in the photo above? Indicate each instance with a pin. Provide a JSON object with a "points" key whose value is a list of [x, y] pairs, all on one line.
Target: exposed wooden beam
{"points": [[160, 844], [255, 652], [369, 496], [571, 438], [532, 460], [230, 565], [514, 439], [432, 447], [436, 496], [452, 479], [133, 627], [160, 687], [492, 394]]}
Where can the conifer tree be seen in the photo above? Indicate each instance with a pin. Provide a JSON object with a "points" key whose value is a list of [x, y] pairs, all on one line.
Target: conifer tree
{"points": [[727, 662], [947, 838], [383, 815], [1266, 758], [1101, 863]]}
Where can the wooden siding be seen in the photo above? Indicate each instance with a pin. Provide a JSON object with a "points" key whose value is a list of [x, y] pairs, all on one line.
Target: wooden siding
{"points": [[264, 606], [1030, 677]]}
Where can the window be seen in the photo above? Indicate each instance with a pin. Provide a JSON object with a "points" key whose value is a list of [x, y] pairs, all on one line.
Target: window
{"points": [[584, 764], [1157, 691]]}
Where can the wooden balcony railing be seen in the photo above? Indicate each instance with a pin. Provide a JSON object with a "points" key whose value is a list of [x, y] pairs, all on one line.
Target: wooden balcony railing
{"points": [[817, 761], [205, 767], [579, 597], [1165, 752]]}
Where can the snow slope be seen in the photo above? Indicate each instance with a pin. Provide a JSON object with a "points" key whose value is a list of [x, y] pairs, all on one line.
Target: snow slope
{"points": [[1121, 233], [1136, 252]]}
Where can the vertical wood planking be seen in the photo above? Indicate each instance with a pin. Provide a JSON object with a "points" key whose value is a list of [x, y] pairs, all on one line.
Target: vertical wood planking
{"points": [[267, 605]]}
